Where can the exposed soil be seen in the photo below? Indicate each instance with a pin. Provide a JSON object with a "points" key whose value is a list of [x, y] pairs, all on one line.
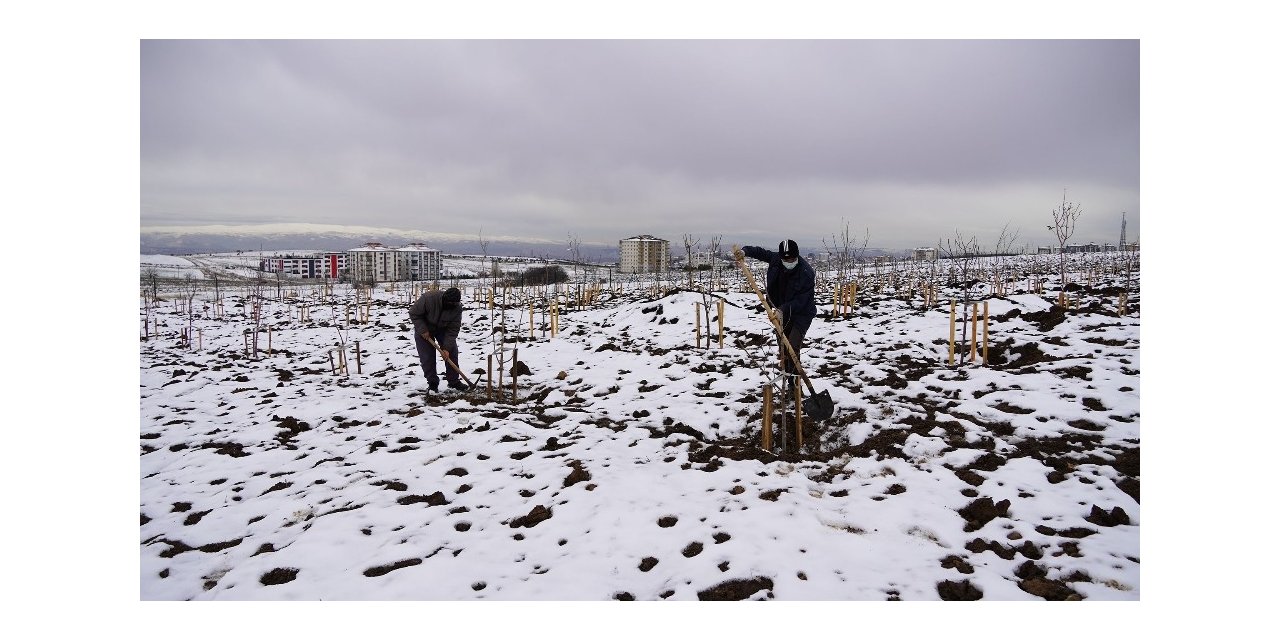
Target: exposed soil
{"points": [[894, 410]]}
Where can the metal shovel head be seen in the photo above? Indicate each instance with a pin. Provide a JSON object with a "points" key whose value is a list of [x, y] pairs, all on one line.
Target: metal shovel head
{"points": [[819, 406]]}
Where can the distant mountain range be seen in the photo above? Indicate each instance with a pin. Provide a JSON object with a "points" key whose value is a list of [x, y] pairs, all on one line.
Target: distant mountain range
{"points": [[321, 237], [174, 240]]}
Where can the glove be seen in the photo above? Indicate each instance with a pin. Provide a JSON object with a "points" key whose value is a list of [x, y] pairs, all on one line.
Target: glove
{"points": [[738, 255]]}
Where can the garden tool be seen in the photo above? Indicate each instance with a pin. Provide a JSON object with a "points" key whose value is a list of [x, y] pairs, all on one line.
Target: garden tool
{"points": [[470, 385]]}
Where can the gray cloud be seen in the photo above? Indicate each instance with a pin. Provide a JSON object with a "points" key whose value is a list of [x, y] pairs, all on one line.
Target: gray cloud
{"points": [[752, 140]]}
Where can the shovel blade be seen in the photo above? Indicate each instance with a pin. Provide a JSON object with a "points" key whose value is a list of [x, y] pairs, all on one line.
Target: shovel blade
{"points": [[819, 406]]}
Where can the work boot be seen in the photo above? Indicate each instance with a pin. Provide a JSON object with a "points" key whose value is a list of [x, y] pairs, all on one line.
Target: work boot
{"points": [[457, 385]]}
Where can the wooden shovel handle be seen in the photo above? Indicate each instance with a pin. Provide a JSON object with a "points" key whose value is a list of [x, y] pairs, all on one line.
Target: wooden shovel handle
{"points": [[447, 359]]}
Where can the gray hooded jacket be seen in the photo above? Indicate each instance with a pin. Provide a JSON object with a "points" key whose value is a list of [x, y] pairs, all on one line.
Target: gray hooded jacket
{"points": [[428, 313]]}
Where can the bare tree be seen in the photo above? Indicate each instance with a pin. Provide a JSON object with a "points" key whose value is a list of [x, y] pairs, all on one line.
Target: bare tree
{"points": [[845, 252], [713, 250], [190, 286], [962, 252], [256, 288], [484, 253], [705, 286], [1128, 265], [690, 246], [575, 255], [1064, 224], [1004, 245], [151, 276]]}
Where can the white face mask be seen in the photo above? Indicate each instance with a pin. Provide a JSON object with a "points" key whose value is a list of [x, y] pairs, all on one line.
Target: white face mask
{"points": [[792, 264]]}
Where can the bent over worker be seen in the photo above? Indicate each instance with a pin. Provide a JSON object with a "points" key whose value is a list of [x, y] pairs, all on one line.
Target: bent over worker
{"points": [[438, 315]]}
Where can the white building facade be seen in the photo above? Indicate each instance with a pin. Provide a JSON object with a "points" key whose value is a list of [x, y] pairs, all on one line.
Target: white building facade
{"points": [[377, 263], [315, 265], [927, 254], [644, 254], [371, 263], [418, 262]]}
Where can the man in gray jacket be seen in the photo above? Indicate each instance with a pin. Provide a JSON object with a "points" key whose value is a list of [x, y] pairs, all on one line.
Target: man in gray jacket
{"points": [[439, 315]]}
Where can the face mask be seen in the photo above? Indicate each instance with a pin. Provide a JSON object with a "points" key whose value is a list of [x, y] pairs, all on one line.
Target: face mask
{"points": [[790, 265]]}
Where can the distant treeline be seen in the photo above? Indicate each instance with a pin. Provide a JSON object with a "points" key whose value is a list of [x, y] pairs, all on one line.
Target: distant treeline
{"points": [[534, 276]]}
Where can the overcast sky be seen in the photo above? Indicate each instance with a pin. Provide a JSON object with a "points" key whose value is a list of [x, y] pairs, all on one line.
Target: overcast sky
{"points": [[906, 142]]}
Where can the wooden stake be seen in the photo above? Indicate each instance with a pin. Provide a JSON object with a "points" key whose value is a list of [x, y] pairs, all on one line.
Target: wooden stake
{"points": [[973, 336], [515, 375], [951, 344], [799, 419], [488, 381], [720, 320], [985, 338], [766, 436], [268, 342], [697, 325], [358, 357]]}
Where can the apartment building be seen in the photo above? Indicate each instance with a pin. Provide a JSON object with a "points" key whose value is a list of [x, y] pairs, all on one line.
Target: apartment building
{"points": [[926, 254], [377, 263], [418, 262], [314, 265], [644, 254]]}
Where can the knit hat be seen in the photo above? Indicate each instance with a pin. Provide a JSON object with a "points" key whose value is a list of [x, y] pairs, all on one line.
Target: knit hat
{"points": [[789, 249], [452, 295]]}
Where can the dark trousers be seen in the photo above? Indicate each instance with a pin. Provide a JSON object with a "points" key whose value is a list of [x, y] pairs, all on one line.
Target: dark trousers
{"points": [[794, 330], [427, 357]]}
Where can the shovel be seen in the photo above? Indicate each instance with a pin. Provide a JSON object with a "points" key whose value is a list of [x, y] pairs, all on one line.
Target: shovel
{"points": [[817, 405], [471, 386]]}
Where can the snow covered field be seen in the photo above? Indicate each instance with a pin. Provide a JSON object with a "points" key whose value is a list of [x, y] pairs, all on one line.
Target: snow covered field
{"points": [[629, 464]]}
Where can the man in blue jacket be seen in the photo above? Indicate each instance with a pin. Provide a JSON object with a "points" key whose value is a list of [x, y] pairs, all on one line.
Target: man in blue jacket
{"points": [[789, 287]]}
